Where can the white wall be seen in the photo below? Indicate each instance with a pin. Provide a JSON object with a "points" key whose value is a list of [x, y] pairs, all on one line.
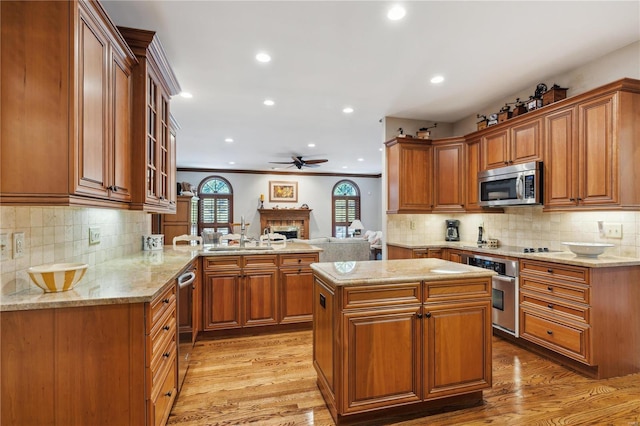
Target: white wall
{"points": [[315, 191], [621, 63]]}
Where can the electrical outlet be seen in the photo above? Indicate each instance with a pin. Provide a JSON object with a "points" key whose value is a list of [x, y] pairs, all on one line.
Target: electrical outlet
{"points": [[94, 235], [613, 230], [5, 248], [412, 225], [18, 244]]}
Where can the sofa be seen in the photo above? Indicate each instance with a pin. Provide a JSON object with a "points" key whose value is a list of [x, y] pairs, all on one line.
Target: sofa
{"points": [[340, 249]]}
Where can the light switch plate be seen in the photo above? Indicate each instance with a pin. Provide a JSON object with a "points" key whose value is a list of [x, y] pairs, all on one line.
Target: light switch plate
{"points": [[613, 230], [5, 248], [94, 235], [18, 244]]}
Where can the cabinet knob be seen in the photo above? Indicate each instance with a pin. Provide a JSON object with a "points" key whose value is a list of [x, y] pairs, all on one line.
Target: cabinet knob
{"points": [[166, 328], [549, 332], [506, 162], [572, 199], [169, 394], [550, 288], [550, 306], [114, 188], [550, 271], [418, 315], [165, 300], [579, 199], [428, 315], [166, 354], [299, 260], [299, 270]]}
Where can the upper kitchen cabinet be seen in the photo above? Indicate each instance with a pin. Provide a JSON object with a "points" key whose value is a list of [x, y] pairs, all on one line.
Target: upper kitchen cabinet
{"points": [[66, 105], [409, 176], [153, 159], [511, 145], [591, 150], [449, 175]]}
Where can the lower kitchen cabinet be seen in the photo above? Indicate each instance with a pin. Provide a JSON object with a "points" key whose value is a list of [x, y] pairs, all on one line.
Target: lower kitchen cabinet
{"points": [[398, 252], [295, 288], [406, 344], [90, 365]]}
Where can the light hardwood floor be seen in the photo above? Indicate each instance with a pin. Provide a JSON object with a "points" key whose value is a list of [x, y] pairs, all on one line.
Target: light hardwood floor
{"points": [[269, 380]]}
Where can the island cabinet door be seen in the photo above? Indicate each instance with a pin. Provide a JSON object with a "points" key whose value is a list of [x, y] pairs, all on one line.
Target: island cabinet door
{"points": [[261, 305], [457, 348], [221, 300], [381, 358]]}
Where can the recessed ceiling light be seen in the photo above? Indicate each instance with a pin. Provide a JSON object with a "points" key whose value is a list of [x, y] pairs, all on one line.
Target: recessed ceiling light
{"points": [[232, 162], [396, 13], [380, 149], [360, 159], [269, 102], [311, 145], [347, 110], [186, 95], [344, 167], [437, 79], [228, 140], [263, 57]]}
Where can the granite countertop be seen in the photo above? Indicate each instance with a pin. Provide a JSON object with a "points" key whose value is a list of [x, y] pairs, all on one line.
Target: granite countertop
{"points": [[275, 249], [564, 257], [136, 278], [395, 271]]}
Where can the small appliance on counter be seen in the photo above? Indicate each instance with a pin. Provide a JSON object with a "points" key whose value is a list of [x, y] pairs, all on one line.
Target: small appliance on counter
{"points": [[452, 234]]}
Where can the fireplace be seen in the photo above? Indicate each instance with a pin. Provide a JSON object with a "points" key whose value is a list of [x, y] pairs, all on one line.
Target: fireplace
{"points": [[288, 231], [287, 220]]}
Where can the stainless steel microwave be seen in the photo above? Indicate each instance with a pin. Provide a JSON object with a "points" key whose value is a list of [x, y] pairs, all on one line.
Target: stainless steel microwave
{"points": [[518, 185]]}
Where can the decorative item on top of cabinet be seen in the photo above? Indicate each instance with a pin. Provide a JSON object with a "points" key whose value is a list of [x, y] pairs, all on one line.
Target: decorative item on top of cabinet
{"points": [[424, 132], [69, 140], [554, 94], [505, 113], [518, 108], [482, 124], [153, 146]]}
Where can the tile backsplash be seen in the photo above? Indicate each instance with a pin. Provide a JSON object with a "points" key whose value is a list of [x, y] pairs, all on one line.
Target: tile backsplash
{"points": [[61, 234], [522, 227]]}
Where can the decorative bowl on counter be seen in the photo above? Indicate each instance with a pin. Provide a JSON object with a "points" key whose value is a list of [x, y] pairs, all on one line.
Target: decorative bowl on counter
{"points": [[57, 277], [588, 249]]}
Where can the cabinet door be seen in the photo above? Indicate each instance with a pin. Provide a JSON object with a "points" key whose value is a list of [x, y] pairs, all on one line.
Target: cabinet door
{"points": [[260, 297], [449, 177], [495, 148], [296, 295], [597, 151], [93, 146], [120, 159], [381, 358], [526, 142], [473, 164], [457, 348], [164, 153], [221, 304], [560, 165], [409, 183]]}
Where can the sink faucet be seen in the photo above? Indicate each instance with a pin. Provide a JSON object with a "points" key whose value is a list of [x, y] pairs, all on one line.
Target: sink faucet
{"points": [[243, 229]]}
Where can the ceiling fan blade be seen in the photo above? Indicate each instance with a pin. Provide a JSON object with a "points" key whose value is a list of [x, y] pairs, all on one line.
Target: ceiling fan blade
{"points": [[281, 162], [316, 161]]}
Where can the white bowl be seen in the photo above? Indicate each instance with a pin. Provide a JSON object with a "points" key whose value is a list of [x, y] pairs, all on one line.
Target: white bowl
{"points": [[57, 276], [588, 249]]}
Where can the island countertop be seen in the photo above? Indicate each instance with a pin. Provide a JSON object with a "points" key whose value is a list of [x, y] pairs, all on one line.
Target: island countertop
{"points": [[395, 271]]}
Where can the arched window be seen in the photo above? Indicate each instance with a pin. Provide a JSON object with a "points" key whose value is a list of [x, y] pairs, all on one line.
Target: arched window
{"points": [[215, 209], [346, 207]]}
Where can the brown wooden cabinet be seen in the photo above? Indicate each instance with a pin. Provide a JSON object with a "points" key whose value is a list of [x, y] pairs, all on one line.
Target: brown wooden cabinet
{"points": [[400, 344], [73, 109], [473, 163], [153, 146], [519, 143], [399, 252], [172, 225], [60, 366], [409, 176], [296, 288], [591, 156], [449, 175]]}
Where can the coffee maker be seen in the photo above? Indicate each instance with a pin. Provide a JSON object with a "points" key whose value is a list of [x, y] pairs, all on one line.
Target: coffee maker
{"points": [[452, 234]]}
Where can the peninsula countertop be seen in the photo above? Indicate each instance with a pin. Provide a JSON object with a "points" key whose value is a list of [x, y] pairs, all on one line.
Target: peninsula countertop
{"points": [[395, 271], [135, 278]]}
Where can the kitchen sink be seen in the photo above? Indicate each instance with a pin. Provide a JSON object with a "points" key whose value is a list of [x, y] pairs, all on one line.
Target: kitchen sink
{"points": [[237, 248]]}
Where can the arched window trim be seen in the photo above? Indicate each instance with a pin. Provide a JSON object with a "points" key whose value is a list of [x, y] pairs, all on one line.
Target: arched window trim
{"points": [[214, 201], [341, 227]]}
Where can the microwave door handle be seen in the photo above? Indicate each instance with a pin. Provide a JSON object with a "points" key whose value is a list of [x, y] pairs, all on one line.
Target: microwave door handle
{"points": [[520, 187]]}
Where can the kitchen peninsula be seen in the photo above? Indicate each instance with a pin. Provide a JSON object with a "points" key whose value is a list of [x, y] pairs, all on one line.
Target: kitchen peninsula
{"points": [[405, 335]]}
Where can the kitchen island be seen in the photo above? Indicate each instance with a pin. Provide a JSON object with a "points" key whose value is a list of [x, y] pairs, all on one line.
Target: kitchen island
{"points": [[400, 336]]}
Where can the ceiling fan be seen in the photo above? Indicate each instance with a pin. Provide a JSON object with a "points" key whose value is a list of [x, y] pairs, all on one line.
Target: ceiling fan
{"points": [[300, 163]]}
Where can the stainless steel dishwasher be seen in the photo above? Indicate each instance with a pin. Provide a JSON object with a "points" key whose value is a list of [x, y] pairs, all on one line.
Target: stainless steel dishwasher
{"points": [[186, 328]]}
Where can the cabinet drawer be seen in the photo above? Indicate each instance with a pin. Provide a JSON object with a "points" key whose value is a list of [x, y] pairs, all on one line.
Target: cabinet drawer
{"points": [[214, 263], [298, 259], [576, 293], [567, 339], [555, 270], [452, 290], [370, 296], [261, 261], [160, 365], [554, 306], [160, 305], [160, 406], [163, 332]]}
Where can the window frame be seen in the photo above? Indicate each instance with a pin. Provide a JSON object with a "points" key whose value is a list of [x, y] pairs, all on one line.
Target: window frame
{"points": [[223, 227], [358, 203]]}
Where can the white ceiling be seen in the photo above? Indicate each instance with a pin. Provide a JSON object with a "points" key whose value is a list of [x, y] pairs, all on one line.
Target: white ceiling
{"points": [[332, 54]]}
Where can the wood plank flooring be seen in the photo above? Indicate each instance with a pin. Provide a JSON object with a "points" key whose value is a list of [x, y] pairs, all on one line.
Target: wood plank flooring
{"points": [[269, 380]]}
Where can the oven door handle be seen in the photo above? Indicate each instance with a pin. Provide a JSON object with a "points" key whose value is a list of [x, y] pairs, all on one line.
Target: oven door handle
{"points": [[504, 279], [186, 279]]}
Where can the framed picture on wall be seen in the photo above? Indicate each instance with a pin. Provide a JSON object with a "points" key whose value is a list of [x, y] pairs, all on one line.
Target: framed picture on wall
{"points": [[283, 191]]}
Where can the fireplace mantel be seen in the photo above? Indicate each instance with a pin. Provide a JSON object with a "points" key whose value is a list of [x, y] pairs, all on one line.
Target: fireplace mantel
{"points": [[286, 217]]}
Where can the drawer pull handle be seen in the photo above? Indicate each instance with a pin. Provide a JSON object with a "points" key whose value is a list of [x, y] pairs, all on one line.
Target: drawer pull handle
{"points": [[166, 354], [299, 260], [418, 315], [550, 306], [299, 270], [549, 332], [168, 394], [166, 328], [550, 271], [165, 301], [550, 288], [428, 315]]}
